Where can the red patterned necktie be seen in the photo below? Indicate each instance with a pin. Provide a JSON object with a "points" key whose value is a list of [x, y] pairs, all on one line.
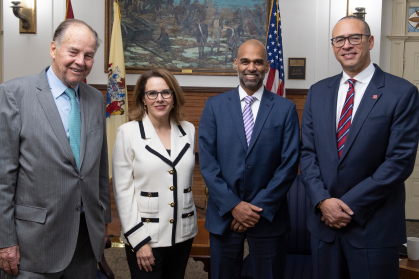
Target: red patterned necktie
{"points": [[345, 117]]}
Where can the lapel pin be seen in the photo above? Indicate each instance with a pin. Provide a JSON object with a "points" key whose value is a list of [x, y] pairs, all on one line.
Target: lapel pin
{"points": [[374, 97]]}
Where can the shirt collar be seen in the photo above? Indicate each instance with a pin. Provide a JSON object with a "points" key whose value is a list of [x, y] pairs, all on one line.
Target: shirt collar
{"points": [[363, 77], [56, 85], [258, 94]]}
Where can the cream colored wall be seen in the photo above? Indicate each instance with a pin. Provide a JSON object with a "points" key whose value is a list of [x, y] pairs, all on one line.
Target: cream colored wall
{"points": [[306, 24], [386, 31], [1, 41]]}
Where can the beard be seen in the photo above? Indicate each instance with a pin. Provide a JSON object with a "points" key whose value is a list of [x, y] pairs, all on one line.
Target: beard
{"points": [[252, 84]]}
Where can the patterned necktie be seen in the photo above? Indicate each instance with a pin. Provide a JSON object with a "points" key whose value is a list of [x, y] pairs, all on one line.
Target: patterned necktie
{"points": [[248, 117], [345, 117], [74, 125]]}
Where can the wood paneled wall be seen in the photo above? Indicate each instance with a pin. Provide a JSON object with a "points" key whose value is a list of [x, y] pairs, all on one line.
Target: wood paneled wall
{"points": [[195, 101]]}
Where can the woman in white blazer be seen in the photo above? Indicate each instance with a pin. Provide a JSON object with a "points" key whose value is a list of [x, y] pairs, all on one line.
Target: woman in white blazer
{"points": [[153, 163]]}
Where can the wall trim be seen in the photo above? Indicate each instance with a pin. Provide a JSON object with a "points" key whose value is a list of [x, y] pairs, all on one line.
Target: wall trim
{"points": [[195, 89]]}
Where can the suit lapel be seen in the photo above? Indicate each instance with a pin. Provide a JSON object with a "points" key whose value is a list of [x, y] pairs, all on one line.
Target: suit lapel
{"points": [[330, 104], [177, 141], [367, 103], [153, 140], [47, 102], [237, 116], [84, 110], [265, 107]]}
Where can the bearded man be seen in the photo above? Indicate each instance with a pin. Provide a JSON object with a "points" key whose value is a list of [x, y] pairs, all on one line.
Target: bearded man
{"points": [[248, 153]]}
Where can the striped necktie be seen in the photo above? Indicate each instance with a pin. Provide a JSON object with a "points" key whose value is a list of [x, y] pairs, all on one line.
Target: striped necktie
{"points": [[345, 117], [248, 117], [74, 124]]}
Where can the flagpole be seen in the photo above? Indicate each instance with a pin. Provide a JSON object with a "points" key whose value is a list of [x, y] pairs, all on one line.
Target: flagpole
{"points": [[270, 14]]}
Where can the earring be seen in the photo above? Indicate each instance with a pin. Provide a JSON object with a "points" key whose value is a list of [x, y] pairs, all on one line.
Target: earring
{"points": [[145, 107]]}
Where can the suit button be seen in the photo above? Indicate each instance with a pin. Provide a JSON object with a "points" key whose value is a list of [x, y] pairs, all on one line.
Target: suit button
{"points": [[171, 171], [340, 169], [78, 207], [172, 188], [171, 221], [147, 220], [172, 204], [81, 177], [149, 195], [247, 166], [189, 189]]}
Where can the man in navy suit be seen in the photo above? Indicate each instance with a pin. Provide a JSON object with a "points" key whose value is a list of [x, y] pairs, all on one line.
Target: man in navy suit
{"points": [[248, 153], [359, 143]]}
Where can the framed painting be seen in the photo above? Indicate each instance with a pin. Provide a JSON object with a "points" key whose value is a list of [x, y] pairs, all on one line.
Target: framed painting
{"points": [[198, 37]]}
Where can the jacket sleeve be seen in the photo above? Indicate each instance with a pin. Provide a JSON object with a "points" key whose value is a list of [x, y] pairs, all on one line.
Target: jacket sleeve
{"points": [[9, 158], [123, 185], [224, 199], [309, 164], [365, 197], [271, 197], [104, 186]]}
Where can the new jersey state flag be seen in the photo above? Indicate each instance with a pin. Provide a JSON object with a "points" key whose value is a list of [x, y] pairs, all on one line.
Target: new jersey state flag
{"points": [[116, 101]]}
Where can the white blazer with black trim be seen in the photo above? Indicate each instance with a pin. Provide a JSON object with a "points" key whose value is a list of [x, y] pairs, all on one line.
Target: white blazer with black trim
{"points": [[153, 190]]}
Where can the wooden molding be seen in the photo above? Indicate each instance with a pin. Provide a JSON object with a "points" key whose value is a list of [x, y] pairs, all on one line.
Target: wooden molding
{"points": [[196, 89]]}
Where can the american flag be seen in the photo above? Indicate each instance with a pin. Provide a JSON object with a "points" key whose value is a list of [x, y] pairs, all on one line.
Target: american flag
{"points": [[274, 79]]}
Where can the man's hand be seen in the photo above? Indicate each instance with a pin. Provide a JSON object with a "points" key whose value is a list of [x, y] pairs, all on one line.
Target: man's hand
{"points": [[237, 227], [336, 214], [145, 258], [10, 259], [246, 214]]}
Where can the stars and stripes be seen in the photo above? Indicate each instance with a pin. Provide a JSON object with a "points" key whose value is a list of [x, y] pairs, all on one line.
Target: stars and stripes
{"points": [[345, 119], [274, 79]]}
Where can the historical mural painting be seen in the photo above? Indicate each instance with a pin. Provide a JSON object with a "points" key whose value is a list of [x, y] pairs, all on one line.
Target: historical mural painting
{"points": [[189, 36]]}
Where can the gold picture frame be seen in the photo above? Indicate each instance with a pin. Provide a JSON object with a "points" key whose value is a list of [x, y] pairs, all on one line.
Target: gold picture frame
{"points": [[141, 29]]}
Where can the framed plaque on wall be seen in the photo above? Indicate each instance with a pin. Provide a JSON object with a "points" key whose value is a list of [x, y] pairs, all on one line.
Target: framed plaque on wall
{"points": [[296, 68]]}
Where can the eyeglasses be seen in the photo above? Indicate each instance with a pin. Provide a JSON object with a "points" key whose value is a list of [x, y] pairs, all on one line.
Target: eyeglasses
{"points": [[354, 40], [165, 94]]}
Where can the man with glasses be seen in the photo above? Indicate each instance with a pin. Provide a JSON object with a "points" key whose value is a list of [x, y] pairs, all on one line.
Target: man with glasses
{"points": [[359, 142]]}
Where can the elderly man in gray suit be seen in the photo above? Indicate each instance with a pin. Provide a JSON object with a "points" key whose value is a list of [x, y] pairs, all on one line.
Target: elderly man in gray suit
{"points": [[54, 183]]}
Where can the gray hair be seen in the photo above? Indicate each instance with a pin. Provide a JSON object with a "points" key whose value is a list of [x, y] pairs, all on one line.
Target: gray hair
{"points": [[62, 28], [367, 29]]}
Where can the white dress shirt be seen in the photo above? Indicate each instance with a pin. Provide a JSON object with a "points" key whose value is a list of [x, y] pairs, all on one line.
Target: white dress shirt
{"points": [[362, 81], [256, 103]]}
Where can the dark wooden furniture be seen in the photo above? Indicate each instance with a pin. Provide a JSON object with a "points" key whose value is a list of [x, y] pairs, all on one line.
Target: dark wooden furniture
{"points": [[201, 247], [408, 269]]}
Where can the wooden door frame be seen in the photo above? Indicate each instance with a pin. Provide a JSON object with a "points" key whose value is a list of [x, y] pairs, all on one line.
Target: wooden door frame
{"points": [[399, 35]]}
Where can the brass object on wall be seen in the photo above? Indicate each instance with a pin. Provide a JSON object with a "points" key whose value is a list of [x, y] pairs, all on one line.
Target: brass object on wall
{"points": [[26, 12], [353, 9]]}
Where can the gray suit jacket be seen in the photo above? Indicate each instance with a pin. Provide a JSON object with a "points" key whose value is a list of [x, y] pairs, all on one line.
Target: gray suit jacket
{"points": [[40, 186]]}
